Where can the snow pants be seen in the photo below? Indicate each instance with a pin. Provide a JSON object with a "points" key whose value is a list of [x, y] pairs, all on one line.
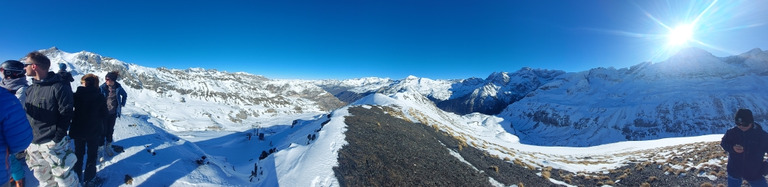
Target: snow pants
{"points": [[52, 163], [92, 146], [109, 128]]}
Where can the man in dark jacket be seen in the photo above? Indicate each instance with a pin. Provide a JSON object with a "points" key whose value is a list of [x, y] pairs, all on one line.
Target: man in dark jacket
{"points": [[49, 110], [116, 97], [90, 110], [746, 144]]}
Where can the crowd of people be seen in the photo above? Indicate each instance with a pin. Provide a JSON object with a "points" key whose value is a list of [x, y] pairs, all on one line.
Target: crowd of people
{"points": [[38, 124]]}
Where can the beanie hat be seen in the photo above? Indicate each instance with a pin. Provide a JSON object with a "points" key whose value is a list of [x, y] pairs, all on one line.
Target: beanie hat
{"points": [[112, 75], [744, 117], [62, 66]]}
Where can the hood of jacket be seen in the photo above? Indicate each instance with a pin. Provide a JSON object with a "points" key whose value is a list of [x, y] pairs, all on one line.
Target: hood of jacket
{"points": [[51, 79], [87, 91]]}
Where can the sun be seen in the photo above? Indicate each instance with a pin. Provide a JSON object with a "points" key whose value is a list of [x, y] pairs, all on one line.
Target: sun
{"points": [[680, 35]]}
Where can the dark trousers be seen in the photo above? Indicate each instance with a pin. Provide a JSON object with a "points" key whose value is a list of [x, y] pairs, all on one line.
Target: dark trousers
{"points": [[109, 127], [92, 146]]}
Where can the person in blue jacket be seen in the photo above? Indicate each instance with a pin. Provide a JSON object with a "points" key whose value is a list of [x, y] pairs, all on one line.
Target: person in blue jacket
{"points": [[116, 97], [15, 81], [746, 145], [15, 132]]}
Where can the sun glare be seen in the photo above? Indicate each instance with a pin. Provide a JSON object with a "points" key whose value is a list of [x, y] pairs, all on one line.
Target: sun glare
{"points": [[680, 35]]}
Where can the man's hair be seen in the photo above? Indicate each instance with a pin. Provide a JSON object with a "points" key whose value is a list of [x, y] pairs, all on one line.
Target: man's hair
{"points": [[114, 75], [90, 80], [40, 59]]}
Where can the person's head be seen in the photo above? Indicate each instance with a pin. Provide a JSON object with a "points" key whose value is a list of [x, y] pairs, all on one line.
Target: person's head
{"points": [[90, 80], [62, 67], [12, 69], [111, 77], [744, 119], [37, 65]]}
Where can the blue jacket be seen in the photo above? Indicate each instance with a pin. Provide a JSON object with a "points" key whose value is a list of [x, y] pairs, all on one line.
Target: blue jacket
{"points": [[745, 165], [16, 134], [121, 96]]}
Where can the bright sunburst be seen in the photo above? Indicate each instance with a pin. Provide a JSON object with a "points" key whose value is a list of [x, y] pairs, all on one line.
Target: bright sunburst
{"points": [[683, 35], [697, 23], [680, 35]]}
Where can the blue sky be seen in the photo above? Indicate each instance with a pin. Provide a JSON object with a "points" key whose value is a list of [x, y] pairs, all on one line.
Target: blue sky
{"points": [[393, 38]]}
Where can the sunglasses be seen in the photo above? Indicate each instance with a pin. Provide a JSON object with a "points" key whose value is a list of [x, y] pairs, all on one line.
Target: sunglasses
{"points": [[25, 64], [742, 124]]}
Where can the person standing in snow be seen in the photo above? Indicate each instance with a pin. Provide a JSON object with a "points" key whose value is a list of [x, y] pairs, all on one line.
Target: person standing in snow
{"points": [[746, 145], [15, 133], [15, 82], [116, 98], [86, 129], [49, 110]]}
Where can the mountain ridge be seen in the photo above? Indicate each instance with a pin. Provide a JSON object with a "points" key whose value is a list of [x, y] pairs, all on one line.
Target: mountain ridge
{"points": [[576, 109], [642, 102], [246, 98], [634, 103]]}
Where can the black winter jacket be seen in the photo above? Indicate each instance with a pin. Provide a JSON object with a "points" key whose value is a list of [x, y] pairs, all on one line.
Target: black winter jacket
{"points": [[66, 76], [90, 111], [747, 164], [49, 108]]}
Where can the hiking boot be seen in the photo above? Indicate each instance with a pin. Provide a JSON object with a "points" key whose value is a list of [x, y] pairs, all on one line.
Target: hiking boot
{"points": [[108, 150]]}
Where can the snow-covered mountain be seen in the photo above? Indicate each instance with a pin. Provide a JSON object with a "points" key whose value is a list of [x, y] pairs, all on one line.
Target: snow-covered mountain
{"points": [[493, 94], [463, 96], [255, 131], [229, 101], [693, 93]]}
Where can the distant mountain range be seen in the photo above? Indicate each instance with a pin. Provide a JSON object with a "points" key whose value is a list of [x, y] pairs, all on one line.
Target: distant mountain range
{"points": [[692, 93]]}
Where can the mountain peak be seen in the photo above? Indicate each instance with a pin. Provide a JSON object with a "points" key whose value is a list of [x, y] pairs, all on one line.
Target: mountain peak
{"points": [[692, 52], [501, 77], [755, 51], [51, 50]]}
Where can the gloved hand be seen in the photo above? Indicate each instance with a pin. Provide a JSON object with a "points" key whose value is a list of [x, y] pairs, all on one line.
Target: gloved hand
{"points": [[17, 171], [61, 146], [21, 155]]}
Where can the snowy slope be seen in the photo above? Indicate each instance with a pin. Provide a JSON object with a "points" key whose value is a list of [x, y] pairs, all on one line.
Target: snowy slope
{"points": [[486, 132], [298, 161], [211, 100], [182, 115], [692, 93], [463, 96]]}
